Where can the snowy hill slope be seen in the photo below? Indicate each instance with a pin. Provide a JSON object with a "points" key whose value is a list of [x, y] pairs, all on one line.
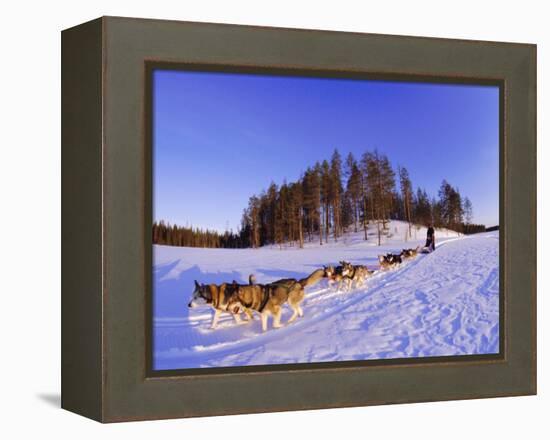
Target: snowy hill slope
{"points": [[396, 236], [443, 303]]}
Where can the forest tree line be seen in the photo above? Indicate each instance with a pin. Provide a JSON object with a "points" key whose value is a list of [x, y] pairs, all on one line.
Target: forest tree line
{"points": [[331, 198], [174, 235]]}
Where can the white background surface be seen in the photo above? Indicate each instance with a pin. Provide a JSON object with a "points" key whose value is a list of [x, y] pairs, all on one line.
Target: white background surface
{"points": [[30, 219]]}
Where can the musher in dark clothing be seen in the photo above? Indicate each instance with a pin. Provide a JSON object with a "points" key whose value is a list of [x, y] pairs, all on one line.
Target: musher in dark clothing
{"points": [[430, 239]]}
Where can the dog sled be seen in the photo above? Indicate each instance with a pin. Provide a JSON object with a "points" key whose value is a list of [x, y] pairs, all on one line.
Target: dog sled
{"points": [[428, 248]]}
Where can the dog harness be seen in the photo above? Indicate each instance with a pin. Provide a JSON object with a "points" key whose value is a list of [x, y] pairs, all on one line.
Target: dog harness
{"points": [[264, 300]]}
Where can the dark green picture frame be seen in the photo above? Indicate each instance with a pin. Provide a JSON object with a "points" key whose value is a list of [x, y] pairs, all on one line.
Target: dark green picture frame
{"points": [[106, 215]]}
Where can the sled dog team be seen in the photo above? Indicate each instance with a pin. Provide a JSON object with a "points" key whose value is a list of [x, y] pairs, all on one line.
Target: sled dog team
{"points": [[268, 299]]}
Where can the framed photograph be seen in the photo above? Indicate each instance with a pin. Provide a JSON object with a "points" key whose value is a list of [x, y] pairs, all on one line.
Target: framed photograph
{"points": [[304, 219]]}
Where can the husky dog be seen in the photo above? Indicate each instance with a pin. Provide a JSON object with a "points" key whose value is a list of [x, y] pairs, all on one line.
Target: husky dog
{"points": [[336, 274], [355, 274], [410, 253], [221, 297], [268, 299], [389, 260], [397, 258], [330, 272]]}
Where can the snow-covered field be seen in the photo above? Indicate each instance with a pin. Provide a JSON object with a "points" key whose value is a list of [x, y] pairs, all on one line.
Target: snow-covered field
{"points": [[444, 303]]}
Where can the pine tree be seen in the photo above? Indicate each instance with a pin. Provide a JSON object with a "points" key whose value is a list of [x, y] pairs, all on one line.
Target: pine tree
{"points": [[281, 215], [336, 192], [374, 188], [445, 202], [347, 218], [437, 213], [310, 199], [297, 202], [271, 207], [317, 191], [326, 192], [406, 194], [422, 212], [387, 188], [450, 202], [354, 187], [254, 216], [468, 211]]}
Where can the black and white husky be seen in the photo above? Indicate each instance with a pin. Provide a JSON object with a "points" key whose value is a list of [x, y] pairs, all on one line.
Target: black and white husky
{"points": [[389, 260]]}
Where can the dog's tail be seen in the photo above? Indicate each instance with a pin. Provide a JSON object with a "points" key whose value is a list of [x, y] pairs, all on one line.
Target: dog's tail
{"points": [[313, 278]]}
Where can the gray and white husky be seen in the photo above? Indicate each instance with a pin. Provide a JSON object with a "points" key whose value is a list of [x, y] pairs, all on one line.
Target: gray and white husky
{"points": [[355, 275], [222, 298]]}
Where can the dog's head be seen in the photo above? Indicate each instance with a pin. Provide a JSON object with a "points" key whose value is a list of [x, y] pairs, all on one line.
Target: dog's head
{"points": [[329, 271], [388, 259], [200, 295], [347, 268]]}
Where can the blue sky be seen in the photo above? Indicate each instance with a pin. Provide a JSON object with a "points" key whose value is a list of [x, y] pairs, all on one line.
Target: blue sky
{"points": [[218, 138]]}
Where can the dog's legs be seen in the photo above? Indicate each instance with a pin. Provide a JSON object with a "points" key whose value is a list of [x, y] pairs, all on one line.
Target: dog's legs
{"points": [[264, 321], [237, 318], [349, 284], [277, 318], [294, 314], [296, 309], [217, 314]]}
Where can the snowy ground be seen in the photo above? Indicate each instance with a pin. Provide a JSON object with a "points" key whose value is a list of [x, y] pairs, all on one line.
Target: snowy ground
{"points": [[445, 303]]}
